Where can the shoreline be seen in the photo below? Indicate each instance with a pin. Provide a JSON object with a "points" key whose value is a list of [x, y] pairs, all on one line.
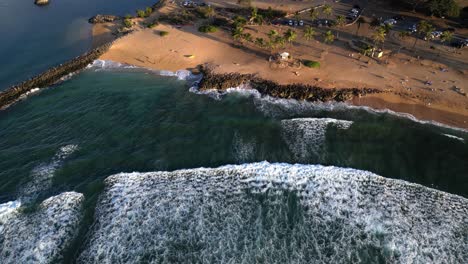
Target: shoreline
{"points": [[397, 85]]}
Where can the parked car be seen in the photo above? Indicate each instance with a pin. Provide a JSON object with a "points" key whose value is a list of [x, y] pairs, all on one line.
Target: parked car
{"points": [[296, 23], [390, 22], [290, 22], [434, 35], [301, 23], [460, 43], [398, 18], [413, 29]]}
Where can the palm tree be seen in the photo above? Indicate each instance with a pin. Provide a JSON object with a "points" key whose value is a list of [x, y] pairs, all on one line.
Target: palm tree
{"points": [[255, 17], [309, 33], [279, 40], [209, 12], [424, 30], [327, 10], [237, 33], [340, 20], [360, 21], [272, 34], [446, 36], [328, 37], [290, 35], [379, 36], [314, 13]]}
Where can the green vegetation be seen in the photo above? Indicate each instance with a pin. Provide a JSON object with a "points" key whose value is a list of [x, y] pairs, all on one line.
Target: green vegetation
{"points": [[434, 7], [141, 13], [153, 24], [163, 33], [148, 11], [314, 13], [208, 29], [340, 21], [255, 17], [206, 12], [290, 35], [128, 23], [312, 64], [379, 35], [128, 16], [328, 37], [327, 10], [309, 33]]}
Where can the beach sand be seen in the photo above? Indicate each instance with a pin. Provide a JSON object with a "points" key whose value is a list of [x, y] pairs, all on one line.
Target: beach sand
{"points": [[402, 76]]}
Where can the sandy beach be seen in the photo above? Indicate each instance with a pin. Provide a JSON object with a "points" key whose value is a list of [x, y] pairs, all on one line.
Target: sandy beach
{"points": [[402, 76]]}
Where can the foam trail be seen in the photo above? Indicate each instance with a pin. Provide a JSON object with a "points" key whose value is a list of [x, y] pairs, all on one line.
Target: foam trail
{"points": [[454, 137], [243, 149], [40, 236], [305, 137], [43, 174], [274, 213]]}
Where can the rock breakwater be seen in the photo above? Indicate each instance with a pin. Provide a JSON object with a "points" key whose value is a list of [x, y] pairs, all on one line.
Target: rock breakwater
{"points": [[222, 82], [103, 19], [51, 76]]}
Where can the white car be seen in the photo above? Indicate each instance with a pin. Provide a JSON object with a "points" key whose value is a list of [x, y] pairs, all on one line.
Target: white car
{"points": [[390, 22]]}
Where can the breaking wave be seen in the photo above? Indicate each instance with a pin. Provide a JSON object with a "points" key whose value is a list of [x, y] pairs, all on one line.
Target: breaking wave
{"points": [[39, 236], [454, 137], [305, 137], [243, 149], [99, 65], [41, 176], [274, 213]]}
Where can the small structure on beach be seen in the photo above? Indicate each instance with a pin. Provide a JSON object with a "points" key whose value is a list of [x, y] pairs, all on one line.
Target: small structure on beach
{"points": [[284, 56]]}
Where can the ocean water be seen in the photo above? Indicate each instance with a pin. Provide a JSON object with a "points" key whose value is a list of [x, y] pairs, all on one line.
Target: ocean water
{"points": [[133, 166], [35, 38]]}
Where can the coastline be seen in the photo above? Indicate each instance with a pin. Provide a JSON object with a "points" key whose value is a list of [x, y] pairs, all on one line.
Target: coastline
{"points": [[376, 84], [231, 65]]}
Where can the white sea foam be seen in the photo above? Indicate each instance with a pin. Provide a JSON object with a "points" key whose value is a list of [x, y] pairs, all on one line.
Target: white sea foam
{"points": [[40, 236], [305, 137], [243, 149], [112, 65], [454, 137], [274, 213], [41, 176]]}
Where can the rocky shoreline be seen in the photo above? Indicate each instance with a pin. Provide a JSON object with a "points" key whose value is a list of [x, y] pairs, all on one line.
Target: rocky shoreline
{"points": [[298, 91], [51, 76]]}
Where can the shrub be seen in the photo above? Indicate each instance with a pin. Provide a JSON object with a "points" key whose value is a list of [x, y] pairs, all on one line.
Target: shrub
{"points": [[312, 64], [153, 24], [141, 13], [127, 16], [163, 33], [148, 11], [127, 23], [208, 29]]}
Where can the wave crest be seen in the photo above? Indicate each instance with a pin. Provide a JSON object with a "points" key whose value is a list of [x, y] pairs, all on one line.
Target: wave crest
{"points": [[274, 213]]}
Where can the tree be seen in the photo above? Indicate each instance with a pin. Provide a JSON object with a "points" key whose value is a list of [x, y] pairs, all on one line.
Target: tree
{"points": [[272, 34], [290, 35], [327, 10], [328, 37], [379, 36], [255, 17], [260, 42], [210, 12], [309, 33], [444, 8], [148, 11], [340, 20], [237, 33], [446, 36], [424, 30], [314, 13], [360, 21]]}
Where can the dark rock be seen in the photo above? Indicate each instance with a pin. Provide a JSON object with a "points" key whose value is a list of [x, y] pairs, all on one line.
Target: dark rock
{"points": [[306, 92], [51, 76], [103, 19]]}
